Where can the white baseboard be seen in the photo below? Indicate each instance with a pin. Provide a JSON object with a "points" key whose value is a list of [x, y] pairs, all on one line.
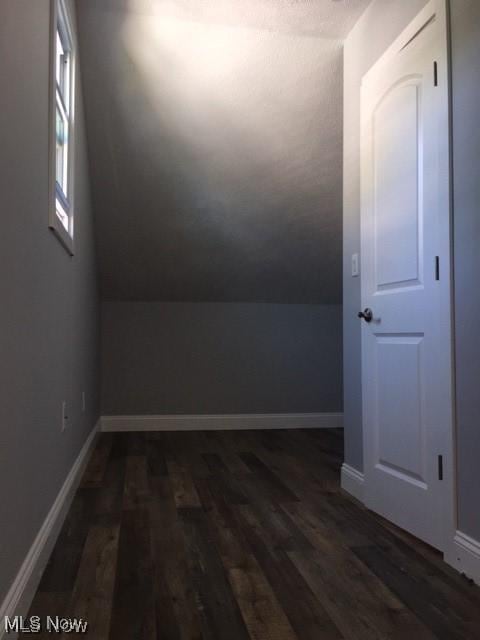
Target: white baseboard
{"points": [[464, 556], [352, 481], [19, 598], [220, 422]]}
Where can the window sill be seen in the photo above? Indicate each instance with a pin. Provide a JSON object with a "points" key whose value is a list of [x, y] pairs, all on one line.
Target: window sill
{"points": [[61, 234]]}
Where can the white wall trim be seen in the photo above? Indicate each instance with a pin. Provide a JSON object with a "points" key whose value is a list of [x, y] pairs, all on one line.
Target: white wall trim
{"points": [[352, 481], [220, 422], [20, 595], [464, 556]]}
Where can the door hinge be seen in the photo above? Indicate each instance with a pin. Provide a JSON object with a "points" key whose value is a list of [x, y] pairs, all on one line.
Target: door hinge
{"points": [[437, 268], [440, 467], [435, 74]]}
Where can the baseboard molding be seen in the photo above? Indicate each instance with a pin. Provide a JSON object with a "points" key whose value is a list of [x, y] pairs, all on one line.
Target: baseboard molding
{"points": [[352, 481], [464, 556], [222, 422], [20, 595]]}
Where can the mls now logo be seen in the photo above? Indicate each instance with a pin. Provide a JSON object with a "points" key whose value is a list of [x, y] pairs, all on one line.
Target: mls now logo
{"points": [[34, 624], [66, 625]]}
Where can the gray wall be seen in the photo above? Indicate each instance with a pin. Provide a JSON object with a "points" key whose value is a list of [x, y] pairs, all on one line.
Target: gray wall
{"points": [[466, 156], [217, 171], [48, 322], [210, 358], [384, 20], [381, 23], [217, 179]]}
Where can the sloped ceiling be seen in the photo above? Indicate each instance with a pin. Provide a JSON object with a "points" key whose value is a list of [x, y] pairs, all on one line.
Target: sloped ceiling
{"points": [[215, 146]]}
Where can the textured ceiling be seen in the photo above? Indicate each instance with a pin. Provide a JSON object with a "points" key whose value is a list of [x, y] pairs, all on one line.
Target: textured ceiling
{"points": [[215, 145], [324, 18]]}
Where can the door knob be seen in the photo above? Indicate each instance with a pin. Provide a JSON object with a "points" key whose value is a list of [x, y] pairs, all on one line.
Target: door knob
{"points": [[367, 315]]}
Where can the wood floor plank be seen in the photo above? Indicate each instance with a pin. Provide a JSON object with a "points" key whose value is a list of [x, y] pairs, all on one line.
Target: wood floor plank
{"points": [[282, 530], [223, 443], [136, 443], [184, 490], [215, 463], [133, 610], [137, 488], [462, 599], [313, 459], [242, 535], [92, 595], [301, 479], [156, 463], [272, 485], [359, 603], [174, 591], [97, 464], [457, 582], [219, 611], [425, 602], [306, 614], [261, 611], [353, 606], [110, 496], [182, 454], [233, 488], [62, 567]]}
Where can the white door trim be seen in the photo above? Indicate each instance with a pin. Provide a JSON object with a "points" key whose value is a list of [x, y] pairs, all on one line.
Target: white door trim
{"points": [[437, 10], [352, 481], [464, 555]]}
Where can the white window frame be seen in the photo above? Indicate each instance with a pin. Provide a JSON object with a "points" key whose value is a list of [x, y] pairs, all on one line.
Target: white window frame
{"points": [[61, 19]]}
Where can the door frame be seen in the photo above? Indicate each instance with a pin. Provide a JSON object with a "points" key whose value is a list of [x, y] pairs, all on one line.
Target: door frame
{"points": [[437, 10]]}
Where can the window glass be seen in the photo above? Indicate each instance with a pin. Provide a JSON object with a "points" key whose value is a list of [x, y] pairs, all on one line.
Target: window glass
{"points": [[62, 92], [61, 213], [61, 150], [58, 63]]}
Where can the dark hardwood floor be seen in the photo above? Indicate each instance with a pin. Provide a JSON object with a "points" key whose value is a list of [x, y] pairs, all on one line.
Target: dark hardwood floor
{"points": [[238, 535]]}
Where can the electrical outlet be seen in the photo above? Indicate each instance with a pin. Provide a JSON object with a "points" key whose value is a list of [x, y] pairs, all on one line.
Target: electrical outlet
{"points": [[64, 416], [84, 402]]}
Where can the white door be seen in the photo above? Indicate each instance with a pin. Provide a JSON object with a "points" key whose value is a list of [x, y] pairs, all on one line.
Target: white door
{"points": [[405, 219]]}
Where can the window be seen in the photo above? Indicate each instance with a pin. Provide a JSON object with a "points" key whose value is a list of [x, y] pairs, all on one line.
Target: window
{"points": [[62, 133]]}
